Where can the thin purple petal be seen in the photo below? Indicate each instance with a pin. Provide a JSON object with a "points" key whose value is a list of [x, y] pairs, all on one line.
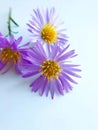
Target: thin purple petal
{"points": [[36, 85], [42, 90], [72, 73], [68, 78], [59, 86]]}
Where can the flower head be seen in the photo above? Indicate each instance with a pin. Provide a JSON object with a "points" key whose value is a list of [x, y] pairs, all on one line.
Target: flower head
{"points": [[46, 28], [11, 53], [54, 72]]}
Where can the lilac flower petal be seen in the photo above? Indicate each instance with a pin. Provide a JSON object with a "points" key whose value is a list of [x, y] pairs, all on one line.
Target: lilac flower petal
{"points": [[48, 48], [61, 39], [35, 11], [63, 35], [31, 31], [63, 50], [69, 78], [37, 58], [42, 90], [8, 68], [37, 84], [72, 73], [37, 18], [59, 86], [12, 39], [24, 45], [55, 51], [40, 16], [67, 84], [23, 51], [47, 16], [69, 65], [30, 74], [28, 69], [17, 42], [63, 83], [17, 69], [34, 28], [75, 69], [48, 88], [52, 12], [31, 60], [36, 22], [52, 89], [65, 56], [40, 49], [4, 42]]}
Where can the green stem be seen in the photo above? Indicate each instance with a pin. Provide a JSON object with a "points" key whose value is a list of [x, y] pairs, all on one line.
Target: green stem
{"points": [[9, 23], [10, 19], [14, 21]]}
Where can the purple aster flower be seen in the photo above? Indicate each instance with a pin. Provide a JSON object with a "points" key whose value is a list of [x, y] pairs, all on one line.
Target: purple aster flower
{"points": [[11, 52], [44, 26], [54, 71]]}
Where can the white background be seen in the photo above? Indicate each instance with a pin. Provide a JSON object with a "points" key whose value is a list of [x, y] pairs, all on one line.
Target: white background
{"points": [[20, 109]]}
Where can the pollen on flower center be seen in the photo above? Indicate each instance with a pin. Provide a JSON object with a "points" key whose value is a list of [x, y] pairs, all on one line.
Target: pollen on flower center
{"points": [[48, 33], [50, 69], [8, 55]]}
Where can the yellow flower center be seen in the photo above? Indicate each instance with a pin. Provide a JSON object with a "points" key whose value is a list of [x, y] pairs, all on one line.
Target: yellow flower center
{"points": [[50, 69], [8, 55], [48, 33]]}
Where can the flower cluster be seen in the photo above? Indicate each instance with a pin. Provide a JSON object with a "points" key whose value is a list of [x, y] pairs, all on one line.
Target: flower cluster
{"points": [[48, 60]]}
